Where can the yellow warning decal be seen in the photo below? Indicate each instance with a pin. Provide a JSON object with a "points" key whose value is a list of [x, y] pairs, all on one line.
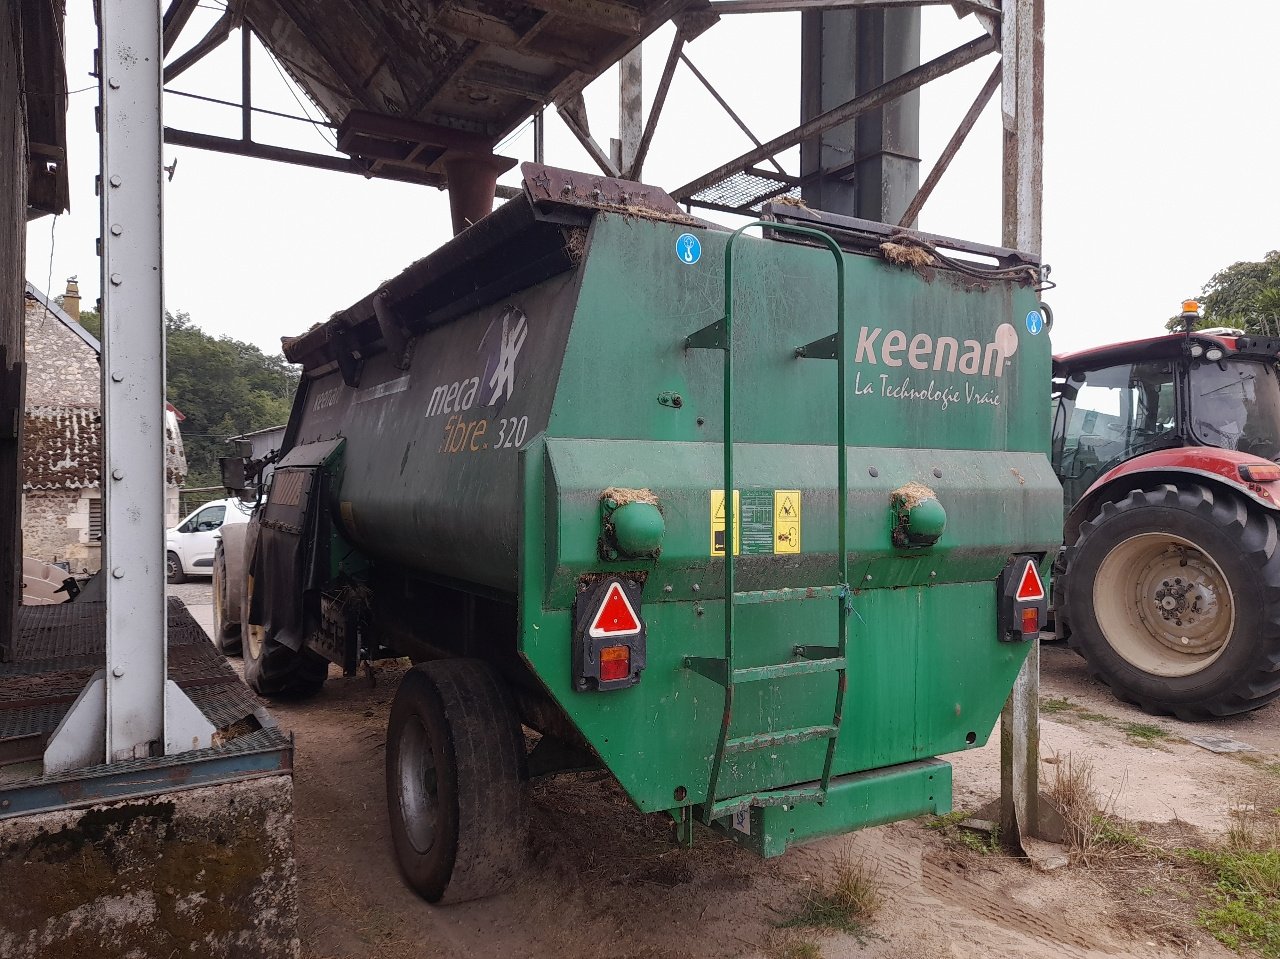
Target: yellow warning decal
{"points": [[786, 521], [717, 523]]}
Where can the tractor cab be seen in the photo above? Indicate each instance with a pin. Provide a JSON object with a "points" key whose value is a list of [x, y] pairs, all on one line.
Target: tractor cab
{"points": [[1213, 388]]}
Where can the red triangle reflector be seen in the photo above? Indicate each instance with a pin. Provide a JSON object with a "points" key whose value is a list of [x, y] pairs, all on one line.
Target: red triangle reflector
{"points": [[1030, 587], [615, 617]]}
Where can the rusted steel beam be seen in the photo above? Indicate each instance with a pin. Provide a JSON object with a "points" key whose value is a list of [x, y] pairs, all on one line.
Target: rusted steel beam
{"points": [[576, 122], [216, 36], [175, 18], [617, 17], [333, 58], [318, 161], [386, 127], [499, 76], [911, 80], [728, 109], [630, 109], [659, 101], [953, 146]]}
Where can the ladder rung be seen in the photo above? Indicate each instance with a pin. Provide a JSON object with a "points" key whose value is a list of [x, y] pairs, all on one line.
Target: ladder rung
{"points": [[801, 667], [775, 797], [752, 597], [782, 737]]}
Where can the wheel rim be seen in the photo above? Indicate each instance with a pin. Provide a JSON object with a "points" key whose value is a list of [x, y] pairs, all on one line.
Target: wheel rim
{"points": [[171, 566], [418, 786], [253, 634], [1164, 605]]}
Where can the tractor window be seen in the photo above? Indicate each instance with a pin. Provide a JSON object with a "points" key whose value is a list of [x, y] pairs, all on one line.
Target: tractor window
{"points": [[1235, 405], [1108, 416]]}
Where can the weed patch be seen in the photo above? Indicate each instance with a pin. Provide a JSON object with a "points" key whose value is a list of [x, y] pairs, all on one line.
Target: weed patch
{"points": [[1057, 706], [983, 842], [1145, 733], [846, 901], [1245, 898], [789, 948]]}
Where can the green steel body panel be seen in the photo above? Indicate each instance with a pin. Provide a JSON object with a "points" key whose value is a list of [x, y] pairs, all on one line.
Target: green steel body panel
{"points": [[944, 389], [853, 802]]}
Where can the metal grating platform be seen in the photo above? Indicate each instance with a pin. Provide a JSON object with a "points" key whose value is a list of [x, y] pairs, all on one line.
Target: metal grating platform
{"points": [[55, 653], [745, 192]]}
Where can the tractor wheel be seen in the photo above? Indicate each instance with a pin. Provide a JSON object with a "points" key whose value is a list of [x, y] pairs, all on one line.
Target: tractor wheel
{"points": [[228, 587], [456, 771], [1174, 601], [270, 667]]}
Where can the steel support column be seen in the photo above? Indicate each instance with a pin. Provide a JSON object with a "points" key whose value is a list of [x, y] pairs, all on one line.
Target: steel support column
{"points": [[868, 167], [623, 150], [137, 694], [133, 376], [1022, 108]]}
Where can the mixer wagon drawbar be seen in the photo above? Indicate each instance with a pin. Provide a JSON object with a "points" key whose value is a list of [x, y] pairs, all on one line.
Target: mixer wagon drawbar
{"points": [[758, 521]]}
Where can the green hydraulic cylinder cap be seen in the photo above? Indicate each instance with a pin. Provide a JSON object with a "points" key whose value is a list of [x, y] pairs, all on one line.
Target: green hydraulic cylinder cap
{"points": [[638, 529], [917, 520]]}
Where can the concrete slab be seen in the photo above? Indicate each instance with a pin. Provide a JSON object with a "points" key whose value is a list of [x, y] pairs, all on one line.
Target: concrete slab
{"points": [[201, 872]]}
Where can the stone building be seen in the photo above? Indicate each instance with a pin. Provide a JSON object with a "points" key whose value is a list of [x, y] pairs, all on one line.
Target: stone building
{"points": [[62, 516]]}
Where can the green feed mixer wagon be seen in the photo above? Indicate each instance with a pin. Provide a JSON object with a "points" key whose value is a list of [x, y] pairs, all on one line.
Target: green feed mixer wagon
{"points": [[758, 521]]}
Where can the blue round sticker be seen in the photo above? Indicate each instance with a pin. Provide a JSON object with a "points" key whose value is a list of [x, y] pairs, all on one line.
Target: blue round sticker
{"points": [[1035, 322], [688, 249]]}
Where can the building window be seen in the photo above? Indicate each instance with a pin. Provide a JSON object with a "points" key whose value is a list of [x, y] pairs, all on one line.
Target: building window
{"points": [[95, 520]]}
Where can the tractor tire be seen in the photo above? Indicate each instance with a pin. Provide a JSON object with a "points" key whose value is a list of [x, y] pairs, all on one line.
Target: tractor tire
{"points": [[271, 668], [228, 589], [456, 772], [173, 572], [1173, 596]]}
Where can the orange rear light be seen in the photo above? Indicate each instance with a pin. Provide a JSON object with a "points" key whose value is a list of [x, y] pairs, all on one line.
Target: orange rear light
{"points": [[615, 663], [1259, 472], [1030, 621]]}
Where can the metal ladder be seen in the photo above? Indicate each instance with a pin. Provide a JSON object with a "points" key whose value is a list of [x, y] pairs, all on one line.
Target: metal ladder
{"points": [[809, 659]]}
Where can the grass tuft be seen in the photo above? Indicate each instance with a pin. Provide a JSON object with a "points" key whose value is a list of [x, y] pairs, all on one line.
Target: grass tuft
{"points": [[1145, 733], [846, 901], [795, 949], [1062, 705]]}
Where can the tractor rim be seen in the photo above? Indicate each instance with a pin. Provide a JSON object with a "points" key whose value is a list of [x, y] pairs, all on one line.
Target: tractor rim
{"points": [[1164, 605], [418, 785]]}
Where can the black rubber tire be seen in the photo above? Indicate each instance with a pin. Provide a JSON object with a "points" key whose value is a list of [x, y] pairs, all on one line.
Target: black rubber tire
{"points": [[173, 569], [1242, 541], [470, 802], [271, 668], [228, 588]]}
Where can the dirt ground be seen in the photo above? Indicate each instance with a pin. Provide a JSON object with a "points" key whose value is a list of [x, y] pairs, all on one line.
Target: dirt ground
{"points": [[605, 882]]}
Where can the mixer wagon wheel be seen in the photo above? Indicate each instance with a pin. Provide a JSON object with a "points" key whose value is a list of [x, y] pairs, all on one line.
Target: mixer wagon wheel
{"points": [[456, 772], [1174, 600], [270, 667]]}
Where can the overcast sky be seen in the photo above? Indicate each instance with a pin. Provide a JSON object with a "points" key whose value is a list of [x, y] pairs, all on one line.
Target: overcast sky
{"points": [[1160, 156]]}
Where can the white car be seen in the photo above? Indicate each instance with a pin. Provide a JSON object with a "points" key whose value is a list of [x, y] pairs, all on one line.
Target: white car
{"points": [[189, 545]]}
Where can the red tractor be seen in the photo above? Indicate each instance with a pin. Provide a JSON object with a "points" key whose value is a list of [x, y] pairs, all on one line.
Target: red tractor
{"points": [[1169, 581]]}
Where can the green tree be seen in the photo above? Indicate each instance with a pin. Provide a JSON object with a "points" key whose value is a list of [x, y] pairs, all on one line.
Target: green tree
{"points": [[1245, 296], [224, 388], [91, 320]]}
